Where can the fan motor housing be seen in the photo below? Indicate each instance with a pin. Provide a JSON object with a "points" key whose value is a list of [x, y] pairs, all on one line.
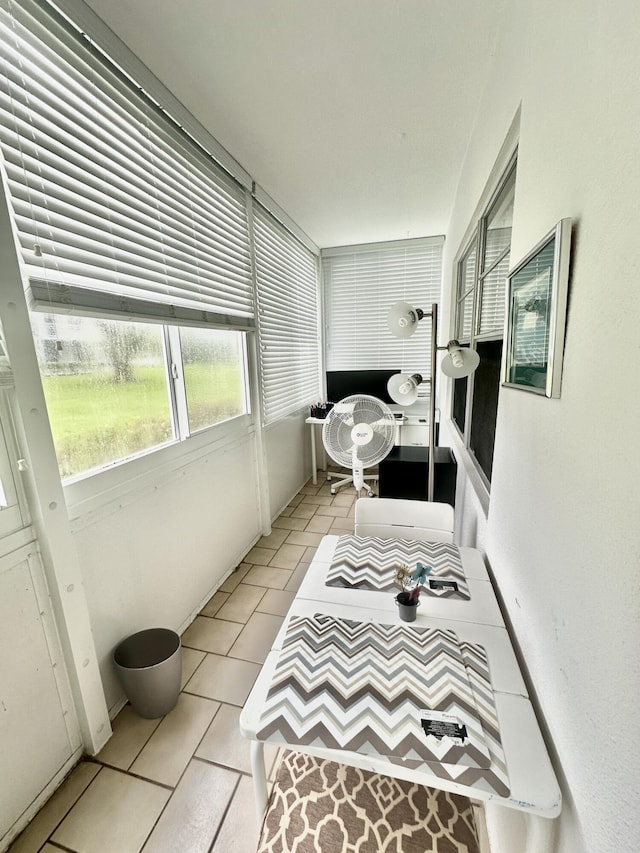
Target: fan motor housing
{"points": [[362, 434]]}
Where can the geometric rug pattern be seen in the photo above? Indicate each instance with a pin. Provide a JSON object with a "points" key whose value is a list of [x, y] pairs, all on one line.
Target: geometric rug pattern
{"points": [[319, 806], [316, 699], [367, 562]]}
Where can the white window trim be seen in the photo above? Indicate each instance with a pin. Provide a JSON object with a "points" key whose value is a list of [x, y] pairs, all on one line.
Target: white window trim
{"points": [[467, 461], [176, 409], [465, 457], [99, 489], [13, 515]]}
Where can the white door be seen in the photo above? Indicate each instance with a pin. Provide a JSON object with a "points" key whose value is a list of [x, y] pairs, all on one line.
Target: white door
{"points": [[39, 735]]}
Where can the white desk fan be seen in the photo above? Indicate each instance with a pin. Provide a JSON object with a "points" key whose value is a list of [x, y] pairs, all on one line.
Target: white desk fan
{"points": [[359, 432]]}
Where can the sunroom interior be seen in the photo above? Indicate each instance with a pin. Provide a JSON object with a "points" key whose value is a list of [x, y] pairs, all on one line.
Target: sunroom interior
{"points": [[334, 136]]}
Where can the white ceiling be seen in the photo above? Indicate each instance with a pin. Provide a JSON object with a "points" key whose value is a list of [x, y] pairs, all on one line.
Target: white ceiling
{"points": [[353, 115]]}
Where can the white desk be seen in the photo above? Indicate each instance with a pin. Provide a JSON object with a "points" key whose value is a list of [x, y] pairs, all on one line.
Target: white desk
{"points": [[411, 429], [314, 463], [519, 774]]}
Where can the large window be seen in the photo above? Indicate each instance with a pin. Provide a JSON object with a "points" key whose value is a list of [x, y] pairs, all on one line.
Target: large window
{"points": [[361, 283], [121, 212], [480, 313], [115, 389]]}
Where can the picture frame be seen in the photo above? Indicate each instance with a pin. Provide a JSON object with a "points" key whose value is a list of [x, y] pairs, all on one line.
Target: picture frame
{"points": [[537, 292]]}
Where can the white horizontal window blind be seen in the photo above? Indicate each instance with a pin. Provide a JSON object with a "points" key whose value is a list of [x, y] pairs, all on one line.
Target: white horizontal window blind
{"points": [[494, 281], [466, 292], [361, 283], [287, 290], [495, 260], [110, 197]]}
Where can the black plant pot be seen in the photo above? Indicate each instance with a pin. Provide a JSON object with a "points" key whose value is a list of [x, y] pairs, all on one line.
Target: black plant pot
{"points": [[407, 606], [321, 411]]}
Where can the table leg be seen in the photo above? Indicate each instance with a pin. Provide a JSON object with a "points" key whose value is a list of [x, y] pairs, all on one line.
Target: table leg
{"points": [[259, 778], [314, 472]]}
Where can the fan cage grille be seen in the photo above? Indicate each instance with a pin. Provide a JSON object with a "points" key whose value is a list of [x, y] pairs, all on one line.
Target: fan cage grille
{"points": [[352, 411]]}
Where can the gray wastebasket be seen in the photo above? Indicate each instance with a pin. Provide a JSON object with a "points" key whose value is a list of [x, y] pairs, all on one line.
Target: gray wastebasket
{"points": [[149, 669]]}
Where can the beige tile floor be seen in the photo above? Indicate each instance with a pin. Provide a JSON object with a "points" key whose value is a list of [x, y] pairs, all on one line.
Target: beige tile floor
{"points": [[182, 784]]}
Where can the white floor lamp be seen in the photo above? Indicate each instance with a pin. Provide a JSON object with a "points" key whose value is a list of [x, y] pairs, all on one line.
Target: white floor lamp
{"points": [[460, 361]]}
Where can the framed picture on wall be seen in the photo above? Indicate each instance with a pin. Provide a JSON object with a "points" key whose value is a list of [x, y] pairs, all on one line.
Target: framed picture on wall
{"points": [[537, 309]]}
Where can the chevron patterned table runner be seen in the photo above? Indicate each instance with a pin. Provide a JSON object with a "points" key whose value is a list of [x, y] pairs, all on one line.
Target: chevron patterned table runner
{"points": [[365, 562], [373, 689]]}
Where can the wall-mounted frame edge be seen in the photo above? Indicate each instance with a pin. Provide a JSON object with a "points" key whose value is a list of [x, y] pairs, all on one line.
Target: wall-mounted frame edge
{"points": [[561, 233]]}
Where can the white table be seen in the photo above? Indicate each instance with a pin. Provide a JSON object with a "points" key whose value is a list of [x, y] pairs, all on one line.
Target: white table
{"points": [[532, 785], [314, 463]]}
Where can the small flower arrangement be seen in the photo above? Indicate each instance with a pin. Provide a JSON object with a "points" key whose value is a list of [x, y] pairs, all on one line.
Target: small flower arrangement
{"points": [[411, 583]]}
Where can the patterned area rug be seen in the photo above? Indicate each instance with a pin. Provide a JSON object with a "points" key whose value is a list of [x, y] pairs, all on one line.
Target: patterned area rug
{"points": [[318, 806]]}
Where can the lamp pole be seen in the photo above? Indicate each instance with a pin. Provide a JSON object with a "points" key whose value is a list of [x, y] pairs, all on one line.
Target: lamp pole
{"points": [[403, 321], [432, 401]]}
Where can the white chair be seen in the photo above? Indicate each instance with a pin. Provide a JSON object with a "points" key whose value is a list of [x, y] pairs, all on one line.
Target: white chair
{"points": [[389, 518]]}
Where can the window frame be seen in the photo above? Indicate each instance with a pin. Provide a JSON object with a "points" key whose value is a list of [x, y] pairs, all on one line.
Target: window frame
{"points": [[12, 512], [471, 246], [477, 242], [87, 495], [178, 386], [104, 489], [177, 407]]}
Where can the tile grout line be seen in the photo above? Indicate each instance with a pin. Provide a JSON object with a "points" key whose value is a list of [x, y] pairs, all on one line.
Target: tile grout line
{"points": [[328, 522], [88, 760], [133, 775], [224, 816], [174, 789]]}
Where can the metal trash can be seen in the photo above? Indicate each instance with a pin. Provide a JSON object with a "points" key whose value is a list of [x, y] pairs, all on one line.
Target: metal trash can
{"points": [[149, 668]]}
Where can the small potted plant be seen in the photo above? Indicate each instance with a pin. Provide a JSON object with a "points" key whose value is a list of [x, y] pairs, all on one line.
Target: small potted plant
{"points": [[411, 584]]}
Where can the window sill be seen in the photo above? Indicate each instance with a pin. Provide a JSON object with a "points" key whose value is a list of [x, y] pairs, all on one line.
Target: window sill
{"points": [[95, 492]]}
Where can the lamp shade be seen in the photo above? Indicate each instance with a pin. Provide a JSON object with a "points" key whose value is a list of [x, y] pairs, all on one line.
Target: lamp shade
{"points": [[403, 319], [459, 361], [403, 389]]}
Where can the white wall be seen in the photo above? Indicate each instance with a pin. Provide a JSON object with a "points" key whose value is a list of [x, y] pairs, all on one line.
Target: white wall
{"points": [[288, 448], [153, 557], [562, 534]]}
